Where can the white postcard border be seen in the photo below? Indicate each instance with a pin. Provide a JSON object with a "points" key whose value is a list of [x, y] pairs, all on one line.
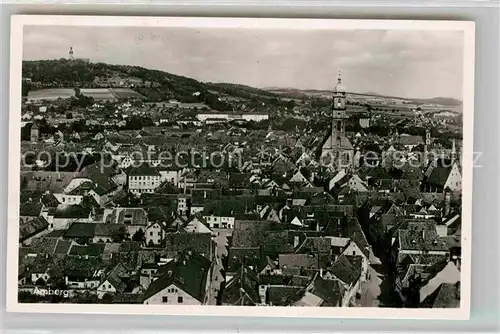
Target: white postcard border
{"points": [[16, 55]]}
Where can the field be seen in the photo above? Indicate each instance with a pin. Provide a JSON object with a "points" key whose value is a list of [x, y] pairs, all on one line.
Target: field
{"points": [[101, 94], [125, 93], [98, 93], [50, 94]]}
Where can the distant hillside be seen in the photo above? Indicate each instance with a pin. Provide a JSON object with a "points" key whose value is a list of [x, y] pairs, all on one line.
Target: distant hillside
{"points": [[446, 101], [155, 85], [238, 90], [293, 92]]}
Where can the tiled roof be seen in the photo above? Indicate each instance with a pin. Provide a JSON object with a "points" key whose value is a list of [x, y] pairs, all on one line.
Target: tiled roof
{"points": [[143, 170], [189, 273], [63, 247], [284, 295], [181, 241], [31, 227], [439, 175], [242, 289], [43, 245], [331, 291], [347, 269], [71, 212], [306, 261], [30, 209], [447, 295]]}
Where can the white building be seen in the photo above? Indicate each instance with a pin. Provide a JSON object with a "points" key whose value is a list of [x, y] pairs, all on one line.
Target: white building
{"points": [[143, 179]]}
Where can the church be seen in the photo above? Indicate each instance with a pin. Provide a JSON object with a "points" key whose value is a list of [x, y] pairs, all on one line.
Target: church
{"points": [[336, 147]]}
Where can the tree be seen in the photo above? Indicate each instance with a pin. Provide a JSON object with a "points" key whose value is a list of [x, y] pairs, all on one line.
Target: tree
{"points": [[139, 236], [25, 88], [120, 234], [107, 298]]}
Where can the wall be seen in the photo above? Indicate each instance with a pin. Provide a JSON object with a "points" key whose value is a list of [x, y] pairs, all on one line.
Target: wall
{"points": [[221, 222], [69, 199], [172, 292], [143, 184], [155, 234]]}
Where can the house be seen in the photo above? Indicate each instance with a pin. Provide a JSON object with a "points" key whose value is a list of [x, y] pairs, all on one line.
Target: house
{"points": [[30, 229], [111, 285], [143, 179], [447, 295], [242, 289], [197, 226], [178, 242], [66, 214], [348, 270], [418, 238], [155, 233], [449, 274], [30, 210], [444, 177], [97, 180], [322, 293], [82, 272], [134, 219], [185, 281]]}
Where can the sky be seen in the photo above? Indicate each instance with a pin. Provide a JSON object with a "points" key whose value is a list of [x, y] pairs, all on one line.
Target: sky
{"points": [[405, 63]]}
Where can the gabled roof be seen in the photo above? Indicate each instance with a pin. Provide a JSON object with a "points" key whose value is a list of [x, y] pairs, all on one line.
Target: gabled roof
{"points": [[183, 241], [447, 295], [189, 273], [347, 269], [30, 209], [284, 295], [143, 170], [31, 227], [242, 289], [331, 291], [65, 211]]}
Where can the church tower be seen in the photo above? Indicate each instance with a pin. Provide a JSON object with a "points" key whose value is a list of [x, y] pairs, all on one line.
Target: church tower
{"points": [[337, 146], [338, 112], [34, 133], [70, 53]]}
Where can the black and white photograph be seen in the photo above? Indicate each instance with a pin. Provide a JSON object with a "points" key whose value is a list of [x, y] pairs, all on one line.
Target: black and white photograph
{"points": [[250, 167]]}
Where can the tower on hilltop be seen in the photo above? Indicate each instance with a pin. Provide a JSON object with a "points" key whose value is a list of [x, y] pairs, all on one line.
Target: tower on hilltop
{"points": [[70, 53]]}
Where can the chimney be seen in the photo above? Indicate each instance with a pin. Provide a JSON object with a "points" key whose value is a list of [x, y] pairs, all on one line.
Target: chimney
{"points": [[447, 203], [321, 272]]}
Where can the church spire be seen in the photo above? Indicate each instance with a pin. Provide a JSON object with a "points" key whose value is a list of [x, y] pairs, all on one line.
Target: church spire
{"points": [[453, 152]]}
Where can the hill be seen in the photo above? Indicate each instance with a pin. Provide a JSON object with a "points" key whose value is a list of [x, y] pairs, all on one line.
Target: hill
{"points": [[293, 92], [154, 85]]}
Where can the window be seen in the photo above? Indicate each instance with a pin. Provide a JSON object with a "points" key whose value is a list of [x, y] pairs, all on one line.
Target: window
{"points": [[150, 234], [180, 300], [159, 234], [164, 299]]}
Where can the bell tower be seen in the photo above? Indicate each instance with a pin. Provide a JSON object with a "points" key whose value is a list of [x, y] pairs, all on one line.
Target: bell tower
{"points": [[338, 112], [336, 148]]}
